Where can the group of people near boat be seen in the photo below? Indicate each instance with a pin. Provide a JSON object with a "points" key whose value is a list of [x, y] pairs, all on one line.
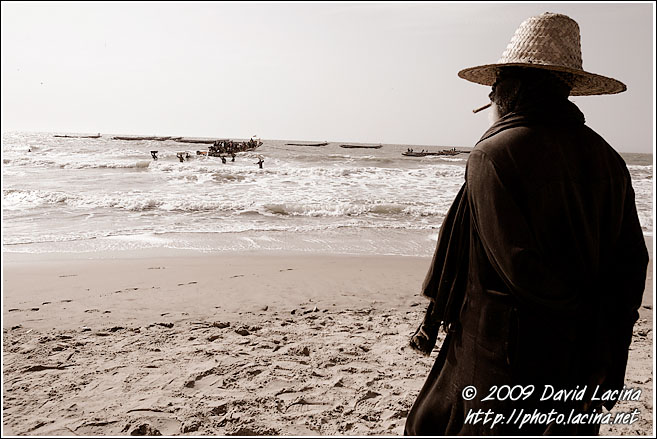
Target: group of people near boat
{"points": [[230, 147], [221, 149], [184, 155]]}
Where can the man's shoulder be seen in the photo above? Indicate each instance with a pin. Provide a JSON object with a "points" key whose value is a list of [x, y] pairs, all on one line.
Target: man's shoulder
{"points": [[527, 148], [521, 138], [505, 143]]}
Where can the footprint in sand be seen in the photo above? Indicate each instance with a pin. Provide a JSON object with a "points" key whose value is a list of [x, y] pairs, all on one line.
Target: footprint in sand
{"points": [[243, 331], [65, 301], [369, 395], [143, 430], [307, 406], [126, 290], [165, 325]]}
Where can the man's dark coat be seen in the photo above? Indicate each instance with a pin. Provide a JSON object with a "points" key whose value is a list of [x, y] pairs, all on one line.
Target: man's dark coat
{"points": [[539, 270]]}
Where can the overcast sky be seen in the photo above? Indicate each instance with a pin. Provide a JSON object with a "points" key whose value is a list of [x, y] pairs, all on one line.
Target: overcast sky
{"points": [[318, 71]]}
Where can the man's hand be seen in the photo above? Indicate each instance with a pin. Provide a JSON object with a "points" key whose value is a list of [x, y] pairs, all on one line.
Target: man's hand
{"points": [[425, 337]]}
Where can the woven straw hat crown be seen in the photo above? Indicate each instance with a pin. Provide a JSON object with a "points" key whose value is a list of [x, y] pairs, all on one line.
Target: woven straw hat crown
{"points": [[551, 42]]}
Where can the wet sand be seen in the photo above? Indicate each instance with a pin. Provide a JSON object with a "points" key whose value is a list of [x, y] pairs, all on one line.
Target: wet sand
{"points": [[223, 344]]}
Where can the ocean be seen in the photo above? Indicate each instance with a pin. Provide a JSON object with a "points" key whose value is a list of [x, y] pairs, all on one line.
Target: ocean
{"points": [[95, 195]]}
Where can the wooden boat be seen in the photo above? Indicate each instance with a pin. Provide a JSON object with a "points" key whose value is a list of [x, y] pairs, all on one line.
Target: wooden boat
{"points": [[240, 146], [308, 144], [185, 140], [97, 136], [250, 145], [448, 152], [362, 146], [158, 138], [420, 154], [227, 147]]}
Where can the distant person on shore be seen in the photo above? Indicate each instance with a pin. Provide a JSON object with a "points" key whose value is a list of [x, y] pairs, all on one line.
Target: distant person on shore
{"points": [[540, 265], [223, 159], [260, 162]]}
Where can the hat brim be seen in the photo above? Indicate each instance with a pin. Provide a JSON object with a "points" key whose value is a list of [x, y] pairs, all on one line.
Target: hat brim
{"points": [[584, 84]]}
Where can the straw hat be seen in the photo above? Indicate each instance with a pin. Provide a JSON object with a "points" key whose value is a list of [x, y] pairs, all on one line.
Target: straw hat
{"points": [[548, 41]]}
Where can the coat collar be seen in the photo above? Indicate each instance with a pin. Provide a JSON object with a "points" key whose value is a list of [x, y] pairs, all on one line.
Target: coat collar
{"points": [[560, 113]]}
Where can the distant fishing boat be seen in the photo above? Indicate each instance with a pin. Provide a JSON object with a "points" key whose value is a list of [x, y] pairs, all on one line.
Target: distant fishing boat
{"points": [[158, 138], [449, 152], [420, 154], [78, 137], [185, 140], [361, 146], [308, 144]]}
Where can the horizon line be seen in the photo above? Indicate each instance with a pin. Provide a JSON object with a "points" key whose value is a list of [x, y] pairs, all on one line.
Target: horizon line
{"points": [[261, 138]]}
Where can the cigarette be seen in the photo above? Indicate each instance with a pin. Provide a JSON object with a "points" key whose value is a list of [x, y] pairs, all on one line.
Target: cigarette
{"points": [[477, 110]]}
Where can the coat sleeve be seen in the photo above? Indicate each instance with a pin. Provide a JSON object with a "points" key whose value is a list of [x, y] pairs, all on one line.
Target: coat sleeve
{"points": [[626, 272], [625, 277], [509, 242]]}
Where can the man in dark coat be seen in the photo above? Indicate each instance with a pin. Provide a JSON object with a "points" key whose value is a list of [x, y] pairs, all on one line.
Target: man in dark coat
{"points": [[541, 262]]}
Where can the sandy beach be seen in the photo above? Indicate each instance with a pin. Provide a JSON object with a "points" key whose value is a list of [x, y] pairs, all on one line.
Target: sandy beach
{"points": [[227, 344]]}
